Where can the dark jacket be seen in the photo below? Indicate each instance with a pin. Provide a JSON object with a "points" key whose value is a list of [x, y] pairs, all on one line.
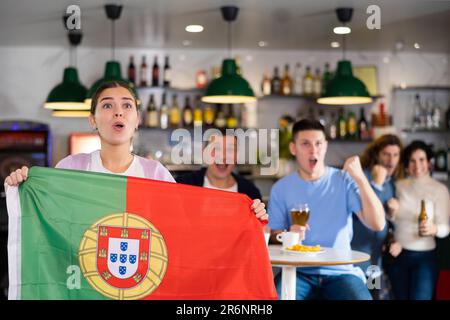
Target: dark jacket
{"points": [[196, 178]]}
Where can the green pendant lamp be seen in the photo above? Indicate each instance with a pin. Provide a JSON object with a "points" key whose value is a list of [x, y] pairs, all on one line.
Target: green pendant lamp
{"points": [[70, 94], [344, 88], [230, 87], [112, 68]]}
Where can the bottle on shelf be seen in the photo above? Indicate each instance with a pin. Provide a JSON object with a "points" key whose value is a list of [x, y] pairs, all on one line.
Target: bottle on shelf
{"points": [[232, 121], [447, 118], [327, 76], [317, 84], [265, 85], [308, 82], [208, 115], [422, 215], [322, 118], [332, 129], [164, 113], [276, 82], [342, 125], [167, 73], [298, 84], [131, 72], [152, 113], [201, 79], [363, 126], [441, 158], [175, 113], [238, 65], [220, 121], [198, 112], [352, 127], [143, 73], [436, 117], [429, 115], [155, 72], [286, 82], [188, 116]]}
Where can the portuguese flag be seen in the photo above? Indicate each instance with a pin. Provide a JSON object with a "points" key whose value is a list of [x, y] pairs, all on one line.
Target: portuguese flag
{"points": [[84, 235]]}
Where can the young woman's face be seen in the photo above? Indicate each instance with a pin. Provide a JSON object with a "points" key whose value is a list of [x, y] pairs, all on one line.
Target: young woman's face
{"points": [[418, 165], [116, 116]]}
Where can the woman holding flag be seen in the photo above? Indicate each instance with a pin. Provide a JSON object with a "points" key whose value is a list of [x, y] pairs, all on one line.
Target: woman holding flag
{"points": [[115, 114]]}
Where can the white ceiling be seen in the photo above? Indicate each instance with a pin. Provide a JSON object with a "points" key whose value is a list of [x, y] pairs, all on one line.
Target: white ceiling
{"points": [[283, 24]]}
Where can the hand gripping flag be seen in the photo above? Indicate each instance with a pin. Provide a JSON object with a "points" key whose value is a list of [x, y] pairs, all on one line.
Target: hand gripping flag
{"points": [[84, 235]]}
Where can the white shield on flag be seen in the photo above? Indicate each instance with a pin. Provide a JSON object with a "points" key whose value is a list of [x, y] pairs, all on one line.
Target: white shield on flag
{"points": [[123, 256]]}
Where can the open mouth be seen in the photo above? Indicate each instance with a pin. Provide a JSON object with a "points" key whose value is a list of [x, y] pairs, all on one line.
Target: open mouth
{"points": [[118, 126], [312, 162], [222, 167]]}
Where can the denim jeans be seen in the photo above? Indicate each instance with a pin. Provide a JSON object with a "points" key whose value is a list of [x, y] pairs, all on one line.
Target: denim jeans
{"points": [[413, 275], [335, 287]]}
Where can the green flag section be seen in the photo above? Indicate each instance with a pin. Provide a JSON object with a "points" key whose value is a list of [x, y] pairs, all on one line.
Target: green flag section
{"points": [[84, 235]]}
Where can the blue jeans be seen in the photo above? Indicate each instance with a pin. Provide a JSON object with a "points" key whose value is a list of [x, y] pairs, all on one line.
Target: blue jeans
{"points": [[413, 275], [340, 287]]}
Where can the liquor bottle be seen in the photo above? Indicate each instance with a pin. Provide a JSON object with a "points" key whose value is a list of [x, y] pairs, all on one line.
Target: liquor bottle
{"points": [[297, 86], [441, 159], [208, 115], [152, 113], [286, 82], [447, 118], [198, 112], [332, 130], [221, 120], [429, 115], [167, 73], [317, 84], [131, 72], [200, 79], [232, 121], [322, 118], [164, 113], [175, 113], [352, 127], [265, 85], [342, 125], [436, 117], [422, 215], [308, 82], [143, 75], [417, 109], [363, 127], [188, 116], [327, 76], [155, 72], [276, 82]]}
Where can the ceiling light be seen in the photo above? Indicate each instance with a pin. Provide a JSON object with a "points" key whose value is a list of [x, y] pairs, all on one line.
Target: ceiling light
{"points": [[335, 44], [194, 28], [416, 45], [342, 30]]}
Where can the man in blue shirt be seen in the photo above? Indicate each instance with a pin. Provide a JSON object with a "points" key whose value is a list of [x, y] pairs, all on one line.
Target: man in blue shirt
{"points": [[333, 196]]}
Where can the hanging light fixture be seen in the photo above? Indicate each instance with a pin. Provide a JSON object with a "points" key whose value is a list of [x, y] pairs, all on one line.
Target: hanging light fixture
{"points": [[112, 68], [344, 88], [70, 94], [230, 87]]}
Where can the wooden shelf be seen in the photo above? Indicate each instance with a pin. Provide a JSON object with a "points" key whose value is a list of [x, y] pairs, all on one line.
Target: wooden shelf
{"points": [[411, 130], [417, 88], [170, 89], [310, 98]]}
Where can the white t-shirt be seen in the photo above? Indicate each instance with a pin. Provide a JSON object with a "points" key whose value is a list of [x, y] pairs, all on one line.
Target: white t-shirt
{"points": [[207, 184], [134, 170]]}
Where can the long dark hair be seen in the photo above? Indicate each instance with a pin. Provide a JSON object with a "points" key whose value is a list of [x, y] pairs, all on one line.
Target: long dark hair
{"points": [[109, 85], [369, 158]]}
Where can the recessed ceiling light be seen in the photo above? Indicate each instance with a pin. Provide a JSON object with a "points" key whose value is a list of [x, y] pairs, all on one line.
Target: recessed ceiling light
{"points": [[342, 30], [194, 28], [335, 44], [386, 59], [262, 44], [416, 45], [186, 43]]}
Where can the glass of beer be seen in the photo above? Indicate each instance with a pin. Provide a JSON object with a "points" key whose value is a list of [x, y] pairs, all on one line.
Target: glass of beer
{"points": [[300, 214]]}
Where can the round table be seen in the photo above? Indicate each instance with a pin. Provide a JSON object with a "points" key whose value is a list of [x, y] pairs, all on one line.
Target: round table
{"points": [[290, 261]]}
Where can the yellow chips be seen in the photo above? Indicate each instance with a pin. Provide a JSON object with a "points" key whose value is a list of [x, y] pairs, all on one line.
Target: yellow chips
{"points": [[302, 248]]}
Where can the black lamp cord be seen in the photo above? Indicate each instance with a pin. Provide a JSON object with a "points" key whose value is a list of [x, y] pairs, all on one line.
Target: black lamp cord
{"points": [[229, 40]]}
